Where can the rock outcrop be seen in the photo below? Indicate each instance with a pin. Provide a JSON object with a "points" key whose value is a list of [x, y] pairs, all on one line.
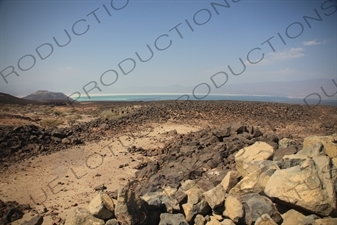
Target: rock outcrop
{"points": [[228, 177]]}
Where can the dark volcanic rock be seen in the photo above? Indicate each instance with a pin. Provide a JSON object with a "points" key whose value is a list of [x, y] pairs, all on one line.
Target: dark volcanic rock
{"points": [[130, 209], [256, 205], [194, 157], [148, 170], [11, 211], [270, 120], [223, 131], [37, 220], [18, 143], [278, 155]]}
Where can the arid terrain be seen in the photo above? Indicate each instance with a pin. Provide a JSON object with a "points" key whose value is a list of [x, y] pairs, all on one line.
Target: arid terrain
{"points": [[58, 157]]}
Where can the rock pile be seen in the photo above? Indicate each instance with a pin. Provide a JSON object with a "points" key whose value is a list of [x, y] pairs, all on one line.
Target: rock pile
{"points": [[11, 211], [23, 142], [228, 175], [18, 143]]}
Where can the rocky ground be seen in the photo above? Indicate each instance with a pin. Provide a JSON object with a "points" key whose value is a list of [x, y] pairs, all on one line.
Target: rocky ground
{"points": [[188, 162]]}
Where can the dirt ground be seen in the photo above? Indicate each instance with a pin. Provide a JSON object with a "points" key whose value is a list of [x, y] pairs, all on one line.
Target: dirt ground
{"points": [[67, 178], [54, 182]]}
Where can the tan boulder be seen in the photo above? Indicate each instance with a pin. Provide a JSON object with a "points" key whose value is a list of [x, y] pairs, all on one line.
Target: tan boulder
{"points": [[305, 186], [196, 203], [315, 149], [215, 196], [259, 151], [230, 180], [102, 206], [233, 209], [292, 217], [254, 182], [80, 216], [329, 143]]}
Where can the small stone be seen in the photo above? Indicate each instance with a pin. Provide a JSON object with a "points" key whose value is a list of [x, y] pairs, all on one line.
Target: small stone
{"points": [[37, 220]]}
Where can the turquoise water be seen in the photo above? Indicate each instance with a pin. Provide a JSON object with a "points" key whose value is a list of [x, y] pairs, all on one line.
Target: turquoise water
{"points": [[160, 97]]}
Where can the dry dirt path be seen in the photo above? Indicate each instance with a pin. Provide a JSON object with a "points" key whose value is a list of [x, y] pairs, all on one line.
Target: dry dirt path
{"points": [[67, 178]]}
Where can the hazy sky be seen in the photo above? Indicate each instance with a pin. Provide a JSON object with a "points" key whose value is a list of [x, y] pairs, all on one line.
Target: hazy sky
{"points": [[190, 40]]}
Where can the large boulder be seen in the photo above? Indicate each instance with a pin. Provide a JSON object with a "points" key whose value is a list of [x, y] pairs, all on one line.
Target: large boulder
{"points": [[254, 182], [313, 150], [130, 209], [293, 217], [329, 143], [102, 206], [292, 160], [308, 186], [259, 151], [80, 216]]}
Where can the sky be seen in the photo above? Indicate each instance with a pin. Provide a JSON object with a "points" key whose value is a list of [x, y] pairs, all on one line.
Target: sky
{"points": [[191, 41]]}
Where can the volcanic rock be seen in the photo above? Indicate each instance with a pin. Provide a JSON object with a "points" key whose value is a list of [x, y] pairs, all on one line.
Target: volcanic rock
{"points": [[130, 209], [169, 219], [256, 205]]}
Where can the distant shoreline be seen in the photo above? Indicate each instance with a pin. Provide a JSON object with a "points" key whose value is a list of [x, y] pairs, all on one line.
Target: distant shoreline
{"points": [[212, 97]]}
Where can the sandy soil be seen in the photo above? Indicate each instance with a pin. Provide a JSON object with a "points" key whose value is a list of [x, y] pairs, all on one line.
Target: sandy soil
{"points": [[67, 178]]}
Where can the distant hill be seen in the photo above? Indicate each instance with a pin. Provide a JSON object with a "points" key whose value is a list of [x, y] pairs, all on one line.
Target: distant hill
{"points": [[9, 99], [43, 95]]}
